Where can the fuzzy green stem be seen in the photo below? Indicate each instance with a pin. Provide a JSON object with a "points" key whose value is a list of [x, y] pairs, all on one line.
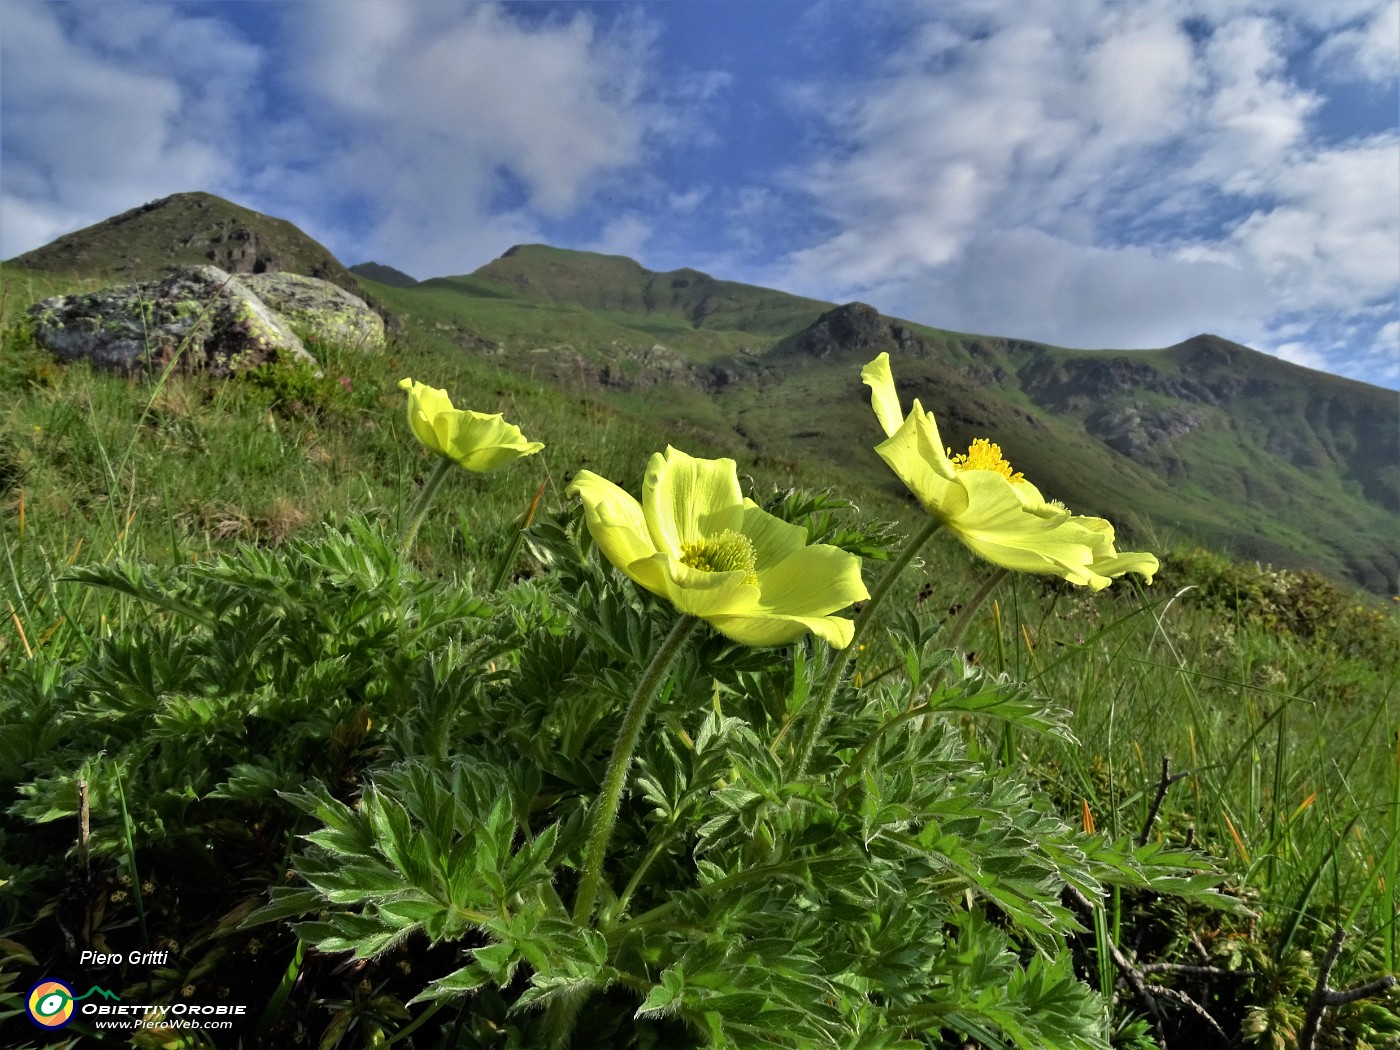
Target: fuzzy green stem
{"points": [[604, 814], [419, 511], [822, 706]]}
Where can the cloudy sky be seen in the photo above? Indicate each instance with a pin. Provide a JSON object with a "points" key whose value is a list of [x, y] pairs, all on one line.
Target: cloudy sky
{"points": [[1083, 172]]}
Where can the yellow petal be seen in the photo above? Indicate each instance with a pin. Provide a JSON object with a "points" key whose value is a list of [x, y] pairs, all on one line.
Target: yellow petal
{"points": [[773, 538], [616, 524], [425, 404], [883, 399], [687, 499], [709, 594], [908, 453], [480, 442], [816, 579], [771, 630], [1108, 561]]}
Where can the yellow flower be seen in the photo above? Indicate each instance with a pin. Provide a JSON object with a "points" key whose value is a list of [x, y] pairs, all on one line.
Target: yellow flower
{"points": [[473, 440], [697, 542], [991, 508]]}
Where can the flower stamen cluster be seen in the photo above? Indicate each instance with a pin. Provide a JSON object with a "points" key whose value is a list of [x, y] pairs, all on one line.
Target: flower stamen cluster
{"points": [[730, 551], [985, 455]]}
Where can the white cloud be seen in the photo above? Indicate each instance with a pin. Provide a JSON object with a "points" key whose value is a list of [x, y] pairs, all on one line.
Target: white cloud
{"points": [[1104, 174], [687, 201], [428, 135], [627, 234], [1026, 283], [1300, 354], [1331, 235], [451, 115], [467, 127], [1370, 50], [98, 117]]}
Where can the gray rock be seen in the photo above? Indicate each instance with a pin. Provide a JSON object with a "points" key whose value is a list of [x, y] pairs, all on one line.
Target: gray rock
{"points": [[321, 310], [1135, 430], [211, 319]]}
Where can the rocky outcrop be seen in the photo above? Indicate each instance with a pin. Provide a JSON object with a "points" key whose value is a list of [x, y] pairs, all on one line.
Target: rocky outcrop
{"points": [[321, 310], [851, 327], [208, 318], [1135, 430]]}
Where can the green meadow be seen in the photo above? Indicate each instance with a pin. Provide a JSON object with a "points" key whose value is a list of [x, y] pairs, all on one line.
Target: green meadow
{"points": [[349, 786]]}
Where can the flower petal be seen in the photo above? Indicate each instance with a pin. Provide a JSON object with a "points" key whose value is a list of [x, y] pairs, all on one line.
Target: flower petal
{"points": [[773, 538], [883, 399], [1108, 561], [687, 499], [481, 442], [617, 525], [784, 630], [425, 403], [709, 594], [817, 579], [907, 452]]}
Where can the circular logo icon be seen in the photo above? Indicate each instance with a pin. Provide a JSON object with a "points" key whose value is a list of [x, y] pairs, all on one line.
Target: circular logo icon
{"points": [[50, 1004]]}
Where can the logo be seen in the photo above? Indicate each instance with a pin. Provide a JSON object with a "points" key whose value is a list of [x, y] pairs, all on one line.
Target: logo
{"points": [[50, 1003]]}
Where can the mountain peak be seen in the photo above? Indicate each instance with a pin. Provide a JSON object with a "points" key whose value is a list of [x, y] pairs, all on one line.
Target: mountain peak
{"points": [[381, 274], [187, 229]]}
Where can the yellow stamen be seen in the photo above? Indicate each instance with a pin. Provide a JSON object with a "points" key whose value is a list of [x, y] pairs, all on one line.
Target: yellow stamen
{"points": [[730, 551], [985, 455]]}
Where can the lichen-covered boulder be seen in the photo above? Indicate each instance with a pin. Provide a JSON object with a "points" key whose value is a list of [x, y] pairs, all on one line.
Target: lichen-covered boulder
{"points": [[210, 318], [319, 309]]}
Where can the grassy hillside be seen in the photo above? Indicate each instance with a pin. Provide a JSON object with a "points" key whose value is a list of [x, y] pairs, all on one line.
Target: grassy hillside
{"points": [[1231, 447], [198, 688]]}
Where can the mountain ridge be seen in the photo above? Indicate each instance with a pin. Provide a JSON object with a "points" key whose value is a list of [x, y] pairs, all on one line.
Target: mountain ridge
{"points": [[1264, 458]]}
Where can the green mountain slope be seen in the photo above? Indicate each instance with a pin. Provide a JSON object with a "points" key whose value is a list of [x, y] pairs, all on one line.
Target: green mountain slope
{"points": [[1231, 447], [186, 229], [1228, 446]]}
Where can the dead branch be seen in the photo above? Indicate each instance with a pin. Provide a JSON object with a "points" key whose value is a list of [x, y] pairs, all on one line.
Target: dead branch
{"points": [[1324, 996], [1167, 779]]}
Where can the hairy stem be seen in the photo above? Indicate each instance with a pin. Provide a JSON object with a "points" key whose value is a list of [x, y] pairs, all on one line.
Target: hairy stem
{"points": [[419, 511], [604, 814], [822, 706]]}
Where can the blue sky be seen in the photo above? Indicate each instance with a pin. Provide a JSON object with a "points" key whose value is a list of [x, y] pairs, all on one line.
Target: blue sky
{"points": [[1084, 172]]}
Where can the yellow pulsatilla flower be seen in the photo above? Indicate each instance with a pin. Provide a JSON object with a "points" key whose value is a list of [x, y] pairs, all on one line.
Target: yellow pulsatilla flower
{"points": [[993, 509], [696, 541], [473, 440]]}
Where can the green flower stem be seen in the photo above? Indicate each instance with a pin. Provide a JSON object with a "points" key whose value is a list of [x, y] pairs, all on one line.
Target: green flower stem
{"points": [[822, 706], [604, 814], [420, 507]]}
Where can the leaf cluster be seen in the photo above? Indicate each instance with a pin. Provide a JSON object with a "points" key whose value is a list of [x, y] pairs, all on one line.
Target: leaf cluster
{"points": [[897, 895]]}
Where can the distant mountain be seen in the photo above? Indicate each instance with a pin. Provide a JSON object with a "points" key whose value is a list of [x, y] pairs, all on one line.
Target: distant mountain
{"points": [[374, 271], [186, 229], [1242, 451], [614, 283]]}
